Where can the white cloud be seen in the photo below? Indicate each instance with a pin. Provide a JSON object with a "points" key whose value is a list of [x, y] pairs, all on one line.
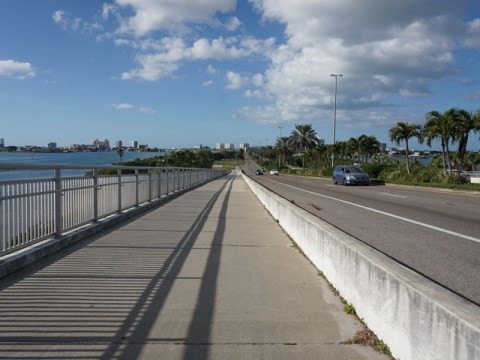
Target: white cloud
{"points": [[234, 80], [172, 51], [62, 19], [233, 24], [122, 106], [473, 34], [16, 69], [108, 9], [151, 15], [211, 69], [127, 106], [258, 80], [383, 48], [68, 23], [146, 110], [59, 18]]}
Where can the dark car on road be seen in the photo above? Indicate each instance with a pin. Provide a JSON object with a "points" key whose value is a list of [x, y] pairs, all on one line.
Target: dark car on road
{"points": [[350, 175], [259, 172]]}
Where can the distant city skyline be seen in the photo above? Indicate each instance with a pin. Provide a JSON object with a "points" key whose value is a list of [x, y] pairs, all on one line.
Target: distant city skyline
{"points": [[179, 74], [133, 144]]}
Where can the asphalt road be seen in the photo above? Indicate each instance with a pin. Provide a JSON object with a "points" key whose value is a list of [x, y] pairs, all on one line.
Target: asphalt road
{"points": [[434, 232]]}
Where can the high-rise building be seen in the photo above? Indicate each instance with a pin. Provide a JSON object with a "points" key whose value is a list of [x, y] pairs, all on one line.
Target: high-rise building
{"points": [[229, 147], [245, 146], [2, 143], [101, 145], [134, 144], [220, 147], [118, 144]]}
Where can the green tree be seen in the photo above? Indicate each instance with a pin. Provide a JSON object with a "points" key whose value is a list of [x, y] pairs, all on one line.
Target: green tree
{"points": [[303, 137], [282, 148], [440, 126], [353, 147], [404, 131], [368, 146], [464, 123], [120, 152], [203, 159]]}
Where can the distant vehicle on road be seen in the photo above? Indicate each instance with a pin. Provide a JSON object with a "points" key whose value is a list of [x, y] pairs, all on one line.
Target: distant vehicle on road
{"points": [[274, 172], [259, 172], [350, 175]]}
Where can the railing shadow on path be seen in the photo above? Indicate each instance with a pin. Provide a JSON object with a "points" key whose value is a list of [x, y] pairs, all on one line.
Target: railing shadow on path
{"points": [[101, 299]]}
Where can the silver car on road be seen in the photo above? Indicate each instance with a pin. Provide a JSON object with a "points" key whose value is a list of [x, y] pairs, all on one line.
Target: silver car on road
{"points": [[350, 175]]}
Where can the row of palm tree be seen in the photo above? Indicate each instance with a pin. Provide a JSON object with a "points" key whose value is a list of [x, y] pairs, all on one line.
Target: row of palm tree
{"points": [[452, 126], [304, 140]]}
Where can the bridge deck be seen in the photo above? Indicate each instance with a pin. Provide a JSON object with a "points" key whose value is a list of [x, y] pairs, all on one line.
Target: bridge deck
{"points": [[208, 275]]}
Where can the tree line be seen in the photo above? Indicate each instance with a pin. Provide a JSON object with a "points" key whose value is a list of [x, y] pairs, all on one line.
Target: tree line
{"points": [[452, 127]]}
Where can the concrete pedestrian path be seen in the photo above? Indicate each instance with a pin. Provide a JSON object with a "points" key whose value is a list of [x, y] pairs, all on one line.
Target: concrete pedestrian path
{"points": [[208, 275]]}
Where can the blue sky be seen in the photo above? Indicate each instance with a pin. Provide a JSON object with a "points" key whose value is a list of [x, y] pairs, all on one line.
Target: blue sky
{"points": [[181, 73]]}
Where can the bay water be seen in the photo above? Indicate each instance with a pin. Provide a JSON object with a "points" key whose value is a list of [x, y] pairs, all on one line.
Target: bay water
{"points": [[69, 158]]}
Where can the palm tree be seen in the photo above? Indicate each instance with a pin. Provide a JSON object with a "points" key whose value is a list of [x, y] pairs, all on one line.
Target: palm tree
{"points": [[464, 122], [303, 137], [120, 152], [404, 131], [440, 126], [353, 147], [282, 147], [368, 146]]}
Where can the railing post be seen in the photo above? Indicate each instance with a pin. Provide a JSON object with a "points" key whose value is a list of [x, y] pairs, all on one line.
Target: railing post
{"points": [[178, 180], [159, 183], [2, 221], [166, 173], [95, 195], [150, 185], [119, 181], [58, 204], [136, 187]]}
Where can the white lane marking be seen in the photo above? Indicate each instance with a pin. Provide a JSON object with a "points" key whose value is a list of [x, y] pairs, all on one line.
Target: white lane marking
{"points": [[398, 196], [453, 233]]}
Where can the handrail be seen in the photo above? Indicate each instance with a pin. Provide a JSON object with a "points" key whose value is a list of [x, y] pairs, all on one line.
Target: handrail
{"points": [[32, 210]]}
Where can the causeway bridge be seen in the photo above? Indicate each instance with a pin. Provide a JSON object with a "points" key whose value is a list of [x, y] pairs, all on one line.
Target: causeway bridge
{"points": [[179, 264]]}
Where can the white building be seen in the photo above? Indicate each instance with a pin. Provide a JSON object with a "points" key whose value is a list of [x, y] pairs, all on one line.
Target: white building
{"points": [[220, 147], [245, 146], [229, 147]]}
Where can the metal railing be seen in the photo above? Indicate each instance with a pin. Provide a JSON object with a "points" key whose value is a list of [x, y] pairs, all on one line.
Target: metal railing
{"points": [[32, 210]]}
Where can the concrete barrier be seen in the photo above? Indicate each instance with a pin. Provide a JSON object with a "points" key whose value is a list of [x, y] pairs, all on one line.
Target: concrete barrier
{"points": [[416, 318]]}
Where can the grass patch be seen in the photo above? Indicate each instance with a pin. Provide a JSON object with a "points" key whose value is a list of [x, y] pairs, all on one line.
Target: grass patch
{"points": [[349, 308], [232, 163]]}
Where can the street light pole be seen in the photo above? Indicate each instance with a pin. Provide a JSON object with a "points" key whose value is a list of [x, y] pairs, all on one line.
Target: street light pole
{"points": [[336, 76]]}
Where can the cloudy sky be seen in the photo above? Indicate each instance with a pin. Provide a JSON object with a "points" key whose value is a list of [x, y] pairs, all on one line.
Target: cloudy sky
{"points": [[180, 73]]}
